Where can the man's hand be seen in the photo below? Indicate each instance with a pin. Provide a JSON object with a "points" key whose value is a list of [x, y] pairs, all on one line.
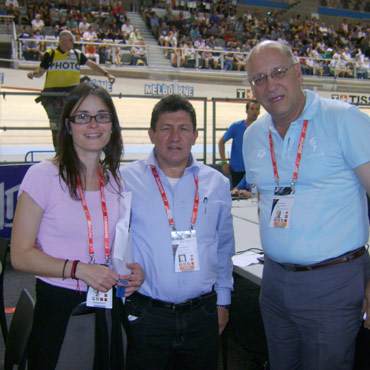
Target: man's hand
{"points": [[135, 279], [366, 305], [223, 318]]}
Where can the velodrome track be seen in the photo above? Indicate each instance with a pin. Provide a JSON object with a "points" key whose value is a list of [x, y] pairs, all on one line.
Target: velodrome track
{"points": [[133, 112]]}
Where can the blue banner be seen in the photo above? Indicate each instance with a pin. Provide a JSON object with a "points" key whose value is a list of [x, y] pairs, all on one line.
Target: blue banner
{"points": [[11, 177]]}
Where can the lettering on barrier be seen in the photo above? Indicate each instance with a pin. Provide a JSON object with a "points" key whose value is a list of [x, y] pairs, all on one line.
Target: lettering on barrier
{"points": [[355, 99], [163, 89], [103, 83], [244, 94]]}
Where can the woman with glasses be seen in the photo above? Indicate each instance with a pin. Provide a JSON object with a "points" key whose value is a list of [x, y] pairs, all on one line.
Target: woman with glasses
{"points": [[64, 224]]}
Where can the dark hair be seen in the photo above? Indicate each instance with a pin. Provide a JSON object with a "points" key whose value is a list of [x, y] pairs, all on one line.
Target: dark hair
{"points": [[66, 157], [170, 104], [251, 101]]}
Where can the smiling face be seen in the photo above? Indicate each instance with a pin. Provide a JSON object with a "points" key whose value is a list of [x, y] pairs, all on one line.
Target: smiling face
{"points": [[90, 138], [173, 138], [283, 99]]}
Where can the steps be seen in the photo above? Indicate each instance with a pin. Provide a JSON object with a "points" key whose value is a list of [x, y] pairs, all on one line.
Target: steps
{"points": [[156, 58]]}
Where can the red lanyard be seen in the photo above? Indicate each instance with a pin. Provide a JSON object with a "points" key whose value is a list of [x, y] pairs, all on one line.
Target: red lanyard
{"points": [[88, 218], [299, 154], [167, 205]]}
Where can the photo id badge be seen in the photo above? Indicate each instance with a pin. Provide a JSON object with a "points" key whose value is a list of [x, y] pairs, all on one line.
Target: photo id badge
{"points": [[282, 206], [95, 298], [185, 250]]}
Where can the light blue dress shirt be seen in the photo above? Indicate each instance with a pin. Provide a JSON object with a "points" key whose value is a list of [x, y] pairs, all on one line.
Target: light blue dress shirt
{"points": [[329, 215], [151, 233]]}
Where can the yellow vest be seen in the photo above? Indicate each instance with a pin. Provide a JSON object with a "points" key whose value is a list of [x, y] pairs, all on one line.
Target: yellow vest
{"points": [[64, 70]]}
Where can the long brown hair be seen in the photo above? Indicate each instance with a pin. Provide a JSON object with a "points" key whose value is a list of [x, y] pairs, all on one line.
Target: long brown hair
{"points": [[70, 166]]}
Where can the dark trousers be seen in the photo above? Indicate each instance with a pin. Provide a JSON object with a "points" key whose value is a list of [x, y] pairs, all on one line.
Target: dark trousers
{"points": [[168, 339], [52, 310], [236, 177]]}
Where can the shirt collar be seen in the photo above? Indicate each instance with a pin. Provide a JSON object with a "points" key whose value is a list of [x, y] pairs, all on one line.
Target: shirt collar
{"points": [[152, 160]]}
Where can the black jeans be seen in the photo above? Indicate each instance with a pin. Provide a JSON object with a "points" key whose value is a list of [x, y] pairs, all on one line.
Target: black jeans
{"points": [[170, 339]]}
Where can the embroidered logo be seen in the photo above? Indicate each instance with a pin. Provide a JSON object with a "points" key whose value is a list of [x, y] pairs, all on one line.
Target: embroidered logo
{"points": [[261, 153]]}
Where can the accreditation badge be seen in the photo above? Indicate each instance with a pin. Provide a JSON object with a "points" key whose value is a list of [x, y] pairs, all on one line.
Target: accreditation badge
{"points": [[185, 250], [282, 205], [98, 299]]}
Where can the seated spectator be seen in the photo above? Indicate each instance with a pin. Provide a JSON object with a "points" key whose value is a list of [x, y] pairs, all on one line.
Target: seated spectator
{"points": [[84, 26], [116, 54], [31, 49], [12, 8], [115, 30], [95, 25], [37, 23], [26, 33], [163, 32], [61, 25], [170, 41], [104, 54], [119, 13], [154, 24], [2, 12], [72, 24], [187, 55], [90, 49], [363, 69], [127, 27], [135, 37], [138, 54], [240, 59], [228, 59], [208, 59], [105, 30]]}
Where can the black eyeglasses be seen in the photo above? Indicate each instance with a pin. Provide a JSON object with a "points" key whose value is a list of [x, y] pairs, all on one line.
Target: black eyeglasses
{"points": [[277, 74], [84, 119]]}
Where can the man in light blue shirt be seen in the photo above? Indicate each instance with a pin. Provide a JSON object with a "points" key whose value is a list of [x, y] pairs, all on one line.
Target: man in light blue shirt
{"points": [[310, 159], [182, 234]]}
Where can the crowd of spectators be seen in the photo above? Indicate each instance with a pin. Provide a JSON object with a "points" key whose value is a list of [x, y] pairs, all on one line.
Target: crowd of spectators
{"points": [[102, 31], [212, 37], [223, 40], [357, 5]]}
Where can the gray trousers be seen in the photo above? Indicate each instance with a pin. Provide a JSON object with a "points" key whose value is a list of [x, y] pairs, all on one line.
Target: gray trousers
{"points": [[311, 318]]}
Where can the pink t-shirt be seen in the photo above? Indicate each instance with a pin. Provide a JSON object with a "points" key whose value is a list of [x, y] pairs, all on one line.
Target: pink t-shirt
{"points": [[63, 228]]}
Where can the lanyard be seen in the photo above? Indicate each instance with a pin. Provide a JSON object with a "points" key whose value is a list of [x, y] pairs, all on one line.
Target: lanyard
{"points": [[298, 158], [167, 205], [89, 222]]}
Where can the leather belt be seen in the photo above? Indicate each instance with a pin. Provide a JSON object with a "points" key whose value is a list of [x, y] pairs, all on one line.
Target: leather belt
{"points": [[350, 256], [184, 306]]}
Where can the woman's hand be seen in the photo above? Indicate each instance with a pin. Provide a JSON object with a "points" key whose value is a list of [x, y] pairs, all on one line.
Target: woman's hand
{"points": [[134, 280], [99, 277]]}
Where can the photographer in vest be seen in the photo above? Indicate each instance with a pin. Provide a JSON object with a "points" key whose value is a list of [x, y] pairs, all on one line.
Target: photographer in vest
{"points": [[62, 67]]}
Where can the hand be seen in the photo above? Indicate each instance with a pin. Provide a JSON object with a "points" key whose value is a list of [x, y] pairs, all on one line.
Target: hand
{"points": [[245, 194], [99, 277], [226, 169], [111, 78], [223, 318], [135, 279], [235, 192], [366, 305], [30, 75]]}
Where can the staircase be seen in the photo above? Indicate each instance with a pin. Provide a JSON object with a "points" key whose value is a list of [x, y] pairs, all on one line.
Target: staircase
{"points": [[155, 56]]}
